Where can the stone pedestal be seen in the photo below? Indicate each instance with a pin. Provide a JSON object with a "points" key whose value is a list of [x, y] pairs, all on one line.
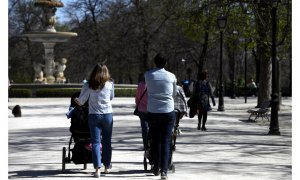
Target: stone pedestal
{"points": [[49, 61]]}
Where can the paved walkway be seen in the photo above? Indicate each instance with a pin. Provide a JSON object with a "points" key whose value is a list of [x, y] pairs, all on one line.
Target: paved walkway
{"points": [[231, 149]]}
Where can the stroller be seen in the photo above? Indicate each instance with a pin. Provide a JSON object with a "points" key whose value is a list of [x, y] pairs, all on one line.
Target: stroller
{"points": [[148, 151], [81, 152]]}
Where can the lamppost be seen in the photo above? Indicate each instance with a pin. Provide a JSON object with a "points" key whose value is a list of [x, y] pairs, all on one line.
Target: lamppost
{"points": [[222, 20], [233, 83], [177, 67], [274, 126], [245, 56], [183, 61]]}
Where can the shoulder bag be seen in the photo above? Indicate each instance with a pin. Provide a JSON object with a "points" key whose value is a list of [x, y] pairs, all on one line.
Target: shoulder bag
{"points": [[136, 111]]}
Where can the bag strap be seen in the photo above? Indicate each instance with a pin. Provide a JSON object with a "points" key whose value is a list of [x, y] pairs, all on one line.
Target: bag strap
{"points": [[141, 97]]}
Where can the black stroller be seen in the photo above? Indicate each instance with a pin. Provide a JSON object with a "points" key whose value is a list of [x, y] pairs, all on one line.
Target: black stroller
{"points": [[148, 151], [81, 152]]}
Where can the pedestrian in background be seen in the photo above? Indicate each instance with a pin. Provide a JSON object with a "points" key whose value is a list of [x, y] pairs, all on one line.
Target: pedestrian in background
{"points": [[202, 93], [180, 107], [141, 103], [185, 85], [99, 91], [252, 87], [161, 88]]}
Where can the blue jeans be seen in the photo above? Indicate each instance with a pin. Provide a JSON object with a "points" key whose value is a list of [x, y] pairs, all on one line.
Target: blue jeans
{"points": [[161, 127], [101, 124], [145, 128]]}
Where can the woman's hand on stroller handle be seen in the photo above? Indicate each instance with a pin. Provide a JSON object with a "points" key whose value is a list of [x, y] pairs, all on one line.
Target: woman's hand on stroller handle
{"points": [[77, 101]]}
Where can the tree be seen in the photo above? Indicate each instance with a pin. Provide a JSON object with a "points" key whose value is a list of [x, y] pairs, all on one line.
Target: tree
{"points": [[128, 33], [23, 17]]}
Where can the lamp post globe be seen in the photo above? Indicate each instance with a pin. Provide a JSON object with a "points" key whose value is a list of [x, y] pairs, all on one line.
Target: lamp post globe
{"points": [[222, 21]]}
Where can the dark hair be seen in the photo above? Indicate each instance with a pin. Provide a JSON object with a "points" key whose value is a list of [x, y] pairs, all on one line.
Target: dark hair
{"points": [[160, 61], [98, 77], [202, 76], [141, 77]]}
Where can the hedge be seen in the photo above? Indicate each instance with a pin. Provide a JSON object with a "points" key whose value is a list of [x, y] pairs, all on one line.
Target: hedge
{"points": [[19, 92], [126, 92], [56, 92], [63, 92]]}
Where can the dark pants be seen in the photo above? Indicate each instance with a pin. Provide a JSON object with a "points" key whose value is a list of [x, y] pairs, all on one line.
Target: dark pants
{"points": [[161, 126], [177, 115], [200, 115], [145, 128]]}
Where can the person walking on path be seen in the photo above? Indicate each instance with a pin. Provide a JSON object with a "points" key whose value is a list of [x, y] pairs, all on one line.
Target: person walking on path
{"points": [[99, 91], [161, 88], [141, 103], [252, 87], [202, 92]]}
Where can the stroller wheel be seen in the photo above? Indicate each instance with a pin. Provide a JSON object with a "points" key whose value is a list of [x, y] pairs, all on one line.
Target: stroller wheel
{"points": [[145, 163], [63, 159]]}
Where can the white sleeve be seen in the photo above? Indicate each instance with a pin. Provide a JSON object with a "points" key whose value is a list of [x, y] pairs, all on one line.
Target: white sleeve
{"points": [[112, 91], [174, 87], [84, 93]]}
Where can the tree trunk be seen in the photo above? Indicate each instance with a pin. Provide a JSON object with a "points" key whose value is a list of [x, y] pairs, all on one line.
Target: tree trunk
{"points": [[257, 66], [264, 53], [142, 29], [265, 79], [203, 54]]}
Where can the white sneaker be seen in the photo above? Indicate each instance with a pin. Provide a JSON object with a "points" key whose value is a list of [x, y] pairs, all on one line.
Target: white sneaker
{"points": [[164, 176], [180, 132], [97, 174], [106, 170]]}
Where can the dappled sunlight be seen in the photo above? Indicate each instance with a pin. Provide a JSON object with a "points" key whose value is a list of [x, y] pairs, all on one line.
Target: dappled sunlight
{"points": [[231, 148]]}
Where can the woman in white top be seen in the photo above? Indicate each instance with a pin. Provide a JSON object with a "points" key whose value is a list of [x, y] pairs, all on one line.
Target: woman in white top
{"points": [[99, 91]]}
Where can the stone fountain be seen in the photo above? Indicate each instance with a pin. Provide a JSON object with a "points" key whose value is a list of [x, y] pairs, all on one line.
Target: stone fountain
{"points": [[52, 71]]}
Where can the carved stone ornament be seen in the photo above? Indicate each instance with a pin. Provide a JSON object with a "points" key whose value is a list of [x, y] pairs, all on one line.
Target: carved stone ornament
{"points": [[48, 3]]}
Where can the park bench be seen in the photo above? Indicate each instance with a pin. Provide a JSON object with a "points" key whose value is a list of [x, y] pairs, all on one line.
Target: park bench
{"points": [[260, 112]]}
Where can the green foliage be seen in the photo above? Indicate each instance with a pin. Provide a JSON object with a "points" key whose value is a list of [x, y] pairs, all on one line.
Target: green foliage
{"points": [[128, 35], [64, 92], [240, 81], [56, 92], [196, 19], [19, 93], [126, 92], [20, 77]]}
